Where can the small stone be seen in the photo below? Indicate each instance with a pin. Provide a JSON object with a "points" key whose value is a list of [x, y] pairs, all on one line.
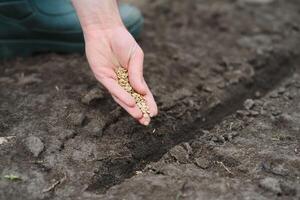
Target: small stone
{"points": [[279, 170], [257, 94], [4, 140], [288, 96], [218, 69], [187, 147], [242, 113], [276, 112], [214, 139], [248, 104], [202, 163], [258, 102], [207, 89], [34, 145], [281, 90], [221, 85], [218, 139], [254, 113], [271, 184], [274, 95]]}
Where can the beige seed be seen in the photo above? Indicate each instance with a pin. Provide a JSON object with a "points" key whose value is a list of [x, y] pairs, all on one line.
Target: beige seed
{"points": [[123, 81]]}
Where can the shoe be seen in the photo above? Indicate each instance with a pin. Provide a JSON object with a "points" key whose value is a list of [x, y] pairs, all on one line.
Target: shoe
{"points": [[33, 26]]}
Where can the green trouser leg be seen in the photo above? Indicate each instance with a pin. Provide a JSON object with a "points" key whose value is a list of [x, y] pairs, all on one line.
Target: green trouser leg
{"points": [[30, 26]]}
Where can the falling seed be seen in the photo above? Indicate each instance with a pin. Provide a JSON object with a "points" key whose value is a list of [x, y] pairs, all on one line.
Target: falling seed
{"points": [[123, 81]]}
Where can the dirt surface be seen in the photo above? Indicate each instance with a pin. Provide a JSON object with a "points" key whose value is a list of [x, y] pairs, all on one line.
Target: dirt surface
{"points": [[252, 154], [226, 79]]}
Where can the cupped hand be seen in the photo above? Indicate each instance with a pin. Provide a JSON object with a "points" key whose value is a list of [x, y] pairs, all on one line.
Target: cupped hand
{"points": [[108, 49]]}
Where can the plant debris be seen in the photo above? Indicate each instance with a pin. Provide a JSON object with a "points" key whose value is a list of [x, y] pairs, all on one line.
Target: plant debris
{"points": [[12, 177]]}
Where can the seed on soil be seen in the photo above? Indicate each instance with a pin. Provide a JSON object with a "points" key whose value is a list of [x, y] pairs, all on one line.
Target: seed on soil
{"points": [[123, 81]]}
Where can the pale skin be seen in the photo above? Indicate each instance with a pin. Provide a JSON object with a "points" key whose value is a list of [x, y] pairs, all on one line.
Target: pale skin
{"points": [[108, 45]]}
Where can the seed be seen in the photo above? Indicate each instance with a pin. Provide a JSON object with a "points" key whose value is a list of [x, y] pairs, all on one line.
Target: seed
{"points": [[123, 81]]}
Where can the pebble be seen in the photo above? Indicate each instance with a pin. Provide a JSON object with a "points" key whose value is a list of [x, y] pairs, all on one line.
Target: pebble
{"points": [[274, 95], [280, 170], [218, 139], [271, 184], [34, 145], [249, 103], [257, 94], [187, 147], [207, 89], [258, 102], [203, 163], [288, 96], [242, 113], [281, 90], [254, 113], [221, 85], [276, 112], [275, 168]]}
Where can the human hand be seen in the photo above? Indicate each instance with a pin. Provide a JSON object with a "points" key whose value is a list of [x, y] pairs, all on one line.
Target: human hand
{"points": [[106, 50]]}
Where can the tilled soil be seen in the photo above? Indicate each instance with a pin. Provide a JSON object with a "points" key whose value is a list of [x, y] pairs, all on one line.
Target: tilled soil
{"points": [[64, 137], [252, 154]]}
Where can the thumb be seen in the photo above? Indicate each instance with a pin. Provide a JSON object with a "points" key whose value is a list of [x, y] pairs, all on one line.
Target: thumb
{"points": [[135, 71]]}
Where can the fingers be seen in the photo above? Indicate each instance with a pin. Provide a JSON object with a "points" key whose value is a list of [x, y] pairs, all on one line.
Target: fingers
{"points": [[145, 121], [135, 70], [151, 103], [116, 90], [133, 111], [136, 79]]}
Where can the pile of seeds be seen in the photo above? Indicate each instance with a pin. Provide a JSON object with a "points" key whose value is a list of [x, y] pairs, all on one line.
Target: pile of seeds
{"points": [[123, 81]]}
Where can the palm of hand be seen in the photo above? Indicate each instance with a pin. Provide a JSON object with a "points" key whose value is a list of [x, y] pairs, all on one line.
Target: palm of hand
{"points": [[106, 50]]}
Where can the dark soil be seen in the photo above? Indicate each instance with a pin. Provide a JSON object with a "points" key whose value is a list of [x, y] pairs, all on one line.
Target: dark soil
{"points": [[225, 76]]}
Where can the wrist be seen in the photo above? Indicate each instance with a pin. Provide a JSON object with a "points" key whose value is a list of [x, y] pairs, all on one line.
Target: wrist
{"points": [[98, 15]]}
